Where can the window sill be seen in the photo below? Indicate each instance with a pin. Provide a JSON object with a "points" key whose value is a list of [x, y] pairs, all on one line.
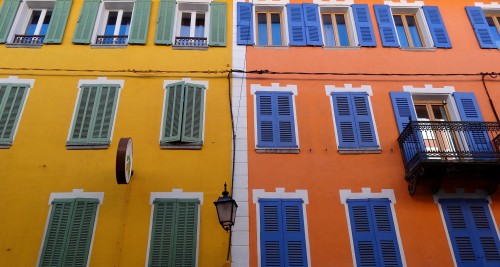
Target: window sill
{"points": [[277, 150], [181, 146], [5, 146], [108, 45], [180, 47], [341, 47], [86, 146], [418, 49], [271, 46], [11, 45], [360, 151]]}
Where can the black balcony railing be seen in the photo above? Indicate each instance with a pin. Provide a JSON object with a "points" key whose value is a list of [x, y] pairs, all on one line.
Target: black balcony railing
{"points": [[460, 144], [111, 39], [191, 42], [28, 39]]}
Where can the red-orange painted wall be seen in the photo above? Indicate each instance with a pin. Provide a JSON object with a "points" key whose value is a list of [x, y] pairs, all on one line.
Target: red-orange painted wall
{"points": [[322, 171]]}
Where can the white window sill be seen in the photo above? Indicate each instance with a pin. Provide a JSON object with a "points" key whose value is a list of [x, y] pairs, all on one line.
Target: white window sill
{"points": [[5, 146], [341, 47], [418, 49], [360, 151], [179, 47], [24, 45], [271, 46], [277, 150], [87, 146], [181, 146], [108, 45]]}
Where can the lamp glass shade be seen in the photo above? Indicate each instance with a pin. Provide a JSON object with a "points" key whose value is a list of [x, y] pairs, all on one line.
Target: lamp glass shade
{"points": [[226, 210]]}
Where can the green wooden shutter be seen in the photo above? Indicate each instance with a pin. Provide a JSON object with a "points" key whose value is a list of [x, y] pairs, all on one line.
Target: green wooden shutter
{"points": [[12, 97], [173, 112], [7, 15], [140, 23], [83, 115], [69, 232], [165, 22], [102, 122], [57, 23], [192, 125], [86, 21], [218, 16], [174, 233]]}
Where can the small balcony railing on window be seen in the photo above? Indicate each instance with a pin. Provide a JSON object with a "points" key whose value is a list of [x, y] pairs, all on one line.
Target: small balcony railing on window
{"points": [[28, 39], [111, 39], [191, 42], [455, 141]]}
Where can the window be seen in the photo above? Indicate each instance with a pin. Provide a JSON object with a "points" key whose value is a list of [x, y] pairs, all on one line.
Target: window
{"points": [[335, 29], [198, 25], [94, 116], [275, 120], [373, 232], [12, 99], [411, 27], [174, 232], [113, 23], [183, 116], [269, 28], [282, 233], [486, 25], [69, 231], [33, 23], [472, 232], [353, 121]]}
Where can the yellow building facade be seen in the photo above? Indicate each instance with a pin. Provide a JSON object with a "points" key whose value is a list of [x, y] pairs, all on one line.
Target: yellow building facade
{"points": [[153, 71]]}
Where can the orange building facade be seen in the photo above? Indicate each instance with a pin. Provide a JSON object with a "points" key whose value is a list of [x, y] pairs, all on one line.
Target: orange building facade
{"points": [[371, 133]]}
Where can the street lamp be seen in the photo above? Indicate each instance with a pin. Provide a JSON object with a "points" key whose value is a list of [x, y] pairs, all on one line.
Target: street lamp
{"points": [[226, 209]]}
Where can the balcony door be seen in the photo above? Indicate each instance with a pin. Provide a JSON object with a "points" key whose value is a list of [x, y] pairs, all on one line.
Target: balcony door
{"points": [[437, 137]]}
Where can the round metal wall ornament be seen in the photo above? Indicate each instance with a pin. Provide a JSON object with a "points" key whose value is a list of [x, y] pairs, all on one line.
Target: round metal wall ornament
{"points": [[124, 161]]}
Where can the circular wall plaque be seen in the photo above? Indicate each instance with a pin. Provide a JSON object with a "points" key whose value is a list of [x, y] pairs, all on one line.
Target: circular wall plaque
{"points": [[124, 160]]}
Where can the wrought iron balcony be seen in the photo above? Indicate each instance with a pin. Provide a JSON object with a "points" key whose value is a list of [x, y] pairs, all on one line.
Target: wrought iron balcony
{"points": [[111, 39], [191, 42], [28, 39], [451, 149]]}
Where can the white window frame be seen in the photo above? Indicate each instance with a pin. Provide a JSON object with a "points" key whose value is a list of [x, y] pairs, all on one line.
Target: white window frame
{"points": [[366, 193], [103, 14], [414, 8], [281, 194], [193, 7], [278, 6], [175, 194], [325, 7], [329, 89], [76, 193], [23, 17], [275, 87]]}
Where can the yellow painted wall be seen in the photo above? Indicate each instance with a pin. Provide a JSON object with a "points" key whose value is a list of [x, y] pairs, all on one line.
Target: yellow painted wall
{"points": [[38, 163]]}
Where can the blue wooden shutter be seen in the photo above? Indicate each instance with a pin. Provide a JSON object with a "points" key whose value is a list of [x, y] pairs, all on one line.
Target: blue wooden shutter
{"points": [[162, 233], [312, 25], [365, 128], [58, 21], [218, 14], [472, 232], [8, 12], [468, 109], [363, 235], [12, 98], [140, 22], [245, 23], [387, 242], [271, 233], [436, 27], [344, 120], [192, 123], [385, 24], [172, 114], [267, 136], [285, 120], [165, 22], [364, 27], [296, 26], [294, 233], [86, 22], [480, 26]]}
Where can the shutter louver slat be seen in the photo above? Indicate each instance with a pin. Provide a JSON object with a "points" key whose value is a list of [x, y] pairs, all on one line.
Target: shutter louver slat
{"points": [[58, 20], [364, 26]]}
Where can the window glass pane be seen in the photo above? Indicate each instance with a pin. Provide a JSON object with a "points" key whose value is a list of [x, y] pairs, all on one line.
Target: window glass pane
{"points": [[185, 24], [45, 24], [439, 112], [276, 28], [328, 29], [400, 28], [125, 25], [262, 28], [111, 23], [35, 17], [413, 29], [342, 29], [199, 30], [422, 112]]}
